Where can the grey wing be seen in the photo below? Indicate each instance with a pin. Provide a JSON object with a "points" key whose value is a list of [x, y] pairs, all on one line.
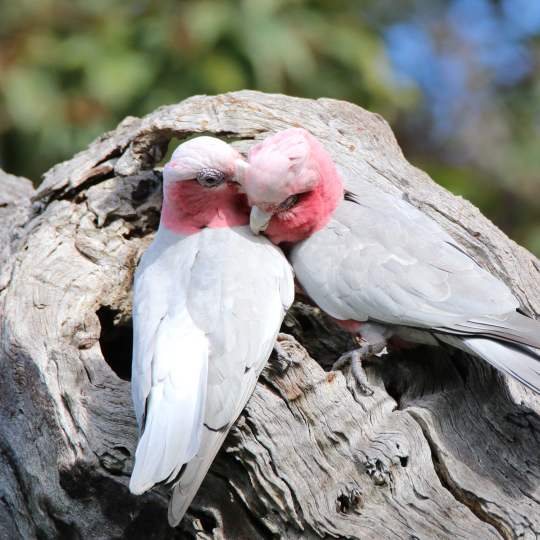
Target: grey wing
{"points": [[255, 289], [382, 259]]}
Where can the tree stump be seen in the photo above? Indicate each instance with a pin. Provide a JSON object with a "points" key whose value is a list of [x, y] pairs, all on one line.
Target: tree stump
{"points": [[444, 448]]}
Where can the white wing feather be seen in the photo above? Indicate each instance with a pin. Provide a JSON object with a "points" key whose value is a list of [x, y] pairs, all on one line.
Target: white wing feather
{"points": [[175, 404], [207, 308], [170, 365]]}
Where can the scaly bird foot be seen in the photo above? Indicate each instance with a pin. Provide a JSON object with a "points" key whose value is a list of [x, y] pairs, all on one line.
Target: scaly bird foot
{"points": [[355, 358]]}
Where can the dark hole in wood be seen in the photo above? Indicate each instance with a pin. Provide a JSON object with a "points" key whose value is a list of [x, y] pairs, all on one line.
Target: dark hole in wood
{"points": [[305, 322], [461, 363], [394, 390], [207, 520], [404, 460], [343, 504], [347, 502], [116, 342]]}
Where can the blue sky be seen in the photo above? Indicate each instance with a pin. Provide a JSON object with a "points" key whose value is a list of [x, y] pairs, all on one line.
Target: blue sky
{"points": [[460, 53]]}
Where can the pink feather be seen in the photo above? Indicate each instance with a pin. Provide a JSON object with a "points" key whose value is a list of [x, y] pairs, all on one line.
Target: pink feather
{"points": [[293, 162], [188, 207]]}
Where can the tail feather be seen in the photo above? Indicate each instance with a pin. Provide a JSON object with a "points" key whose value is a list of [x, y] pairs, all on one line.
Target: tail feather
{"points": [[194, 473], [513, 327], [520, 362]]}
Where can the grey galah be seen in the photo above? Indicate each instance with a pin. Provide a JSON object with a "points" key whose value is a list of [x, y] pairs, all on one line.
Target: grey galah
{"points": [[367, 257], [209, 299]]}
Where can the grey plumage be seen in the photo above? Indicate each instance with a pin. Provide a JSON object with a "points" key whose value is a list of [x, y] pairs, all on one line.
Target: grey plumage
{"points": [[380, 259]]}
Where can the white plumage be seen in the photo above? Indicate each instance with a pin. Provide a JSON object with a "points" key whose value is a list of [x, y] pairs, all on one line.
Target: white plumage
{"points": [[207, 309]]}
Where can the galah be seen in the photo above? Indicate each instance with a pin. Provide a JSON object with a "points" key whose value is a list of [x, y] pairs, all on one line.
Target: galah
{"points": [[379, 265], [209, 299]]}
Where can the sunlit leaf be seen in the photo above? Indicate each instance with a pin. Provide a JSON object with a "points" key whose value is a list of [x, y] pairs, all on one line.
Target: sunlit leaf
{"points": [[32, 97], [119, 78]]}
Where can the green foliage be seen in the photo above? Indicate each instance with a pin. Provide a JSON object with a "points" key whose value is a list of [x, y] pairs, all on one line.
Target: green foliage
{"points": [[71, 69]]}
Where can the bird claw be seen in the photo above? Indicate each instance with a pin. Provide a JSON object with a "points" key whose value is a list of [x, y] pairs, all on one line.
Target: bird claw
{"points": [[355, 359]]}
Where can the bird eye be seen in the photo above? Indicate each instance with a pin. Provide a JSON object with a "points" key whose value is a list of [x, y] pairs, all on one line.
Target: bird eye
{"points": [[210, 177], [288, 203]]}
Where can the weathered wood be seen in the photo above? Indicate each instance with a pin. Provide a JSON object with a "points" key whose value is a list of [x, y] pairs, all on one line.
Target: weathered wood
{"points": [[445, 448], [15, 209]]}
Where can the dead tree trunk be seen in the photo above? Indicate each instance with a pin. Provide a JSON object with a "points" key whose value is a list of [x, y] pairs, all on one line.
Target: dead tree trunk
{"points": [[445, 448]]}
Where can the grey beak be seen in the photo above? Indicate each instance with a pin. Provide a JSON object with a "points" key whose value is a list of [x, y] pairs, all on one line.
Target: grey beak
{"points": [[240, 168], [258, 220]]}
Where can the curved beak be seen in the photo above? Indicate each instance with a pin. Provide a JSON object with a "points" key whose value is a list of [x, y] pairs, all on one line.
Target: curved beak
{"points": [[240, 168], [259, 219]]}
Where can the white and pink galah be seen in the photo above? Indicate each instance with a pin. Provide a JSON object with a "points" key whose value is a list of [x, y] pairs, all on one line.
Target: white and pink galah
{"points": [[209, 299], [379, 265]]}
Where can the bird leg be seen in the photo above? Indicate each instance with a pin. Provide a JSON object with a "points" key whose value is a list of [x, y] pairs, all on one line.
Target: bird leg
{"points": [[356, 357]]}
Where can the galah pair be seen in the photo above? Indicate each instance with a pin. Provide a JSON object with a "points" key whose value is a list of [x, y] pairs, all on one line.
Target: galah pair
{"points": [[209, 299], [210, 296], [379, 265]]}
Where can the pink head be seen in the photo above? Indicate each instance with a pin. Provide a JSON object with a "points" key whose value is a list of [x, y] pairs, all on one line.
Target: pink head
{"points": [[200, 187], [292, 185]]}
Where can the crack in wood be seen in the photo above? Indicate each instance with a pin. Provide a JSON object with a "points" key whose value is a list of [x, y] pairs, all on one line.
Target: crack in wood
{"points": [[464, 497]]}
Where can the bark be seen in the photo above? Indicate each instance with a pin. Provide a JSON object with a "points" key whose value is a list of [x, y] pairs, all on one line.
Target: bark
{"points": [[445, 448]]}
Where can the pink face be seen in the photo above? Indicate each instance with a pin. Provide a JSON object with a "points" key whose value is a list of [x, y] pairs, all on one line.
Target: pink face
{"points": [[200, 187], [292, 185]]}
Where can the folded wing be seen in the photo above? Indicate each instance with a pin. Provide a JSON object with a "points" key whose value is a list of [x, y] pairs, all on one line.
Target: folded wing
{"points": [[249, 300], [380, 258], [208, 308]]}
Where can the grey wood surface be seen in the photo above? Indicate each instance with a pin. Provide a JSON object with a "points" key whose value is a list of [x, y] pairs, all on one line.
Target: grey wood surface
{"points": [[445, 447]]}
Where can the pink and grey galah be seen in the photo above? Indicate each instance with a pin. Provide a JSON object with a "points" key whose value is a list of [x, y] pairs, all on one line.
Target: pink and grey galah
{"points": [[209, 299], [379, 265]]}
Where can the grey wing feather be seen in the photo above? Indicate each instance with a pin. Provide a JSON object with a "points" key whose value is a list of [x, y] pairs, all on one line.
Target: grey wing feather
{"points": [[512, 327], [382, 259], [522, 363]]}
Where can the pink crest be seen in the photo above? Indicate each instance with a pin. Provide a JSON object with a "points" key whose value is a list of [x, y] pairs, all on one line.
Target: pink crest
{"points": [[293, 162]]}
